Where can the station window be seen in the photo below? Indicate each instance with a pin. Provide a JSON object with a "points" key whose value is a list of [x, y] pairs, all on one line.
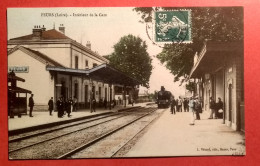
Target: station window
{"points": [[76, 62], [94, 64]]}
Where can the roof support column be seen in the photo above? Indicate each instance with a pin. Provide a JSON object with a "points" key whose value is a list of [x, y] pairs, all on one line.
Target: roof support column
{"points": [[124, 97], [91, 94], [55, 75], [110, 95]]}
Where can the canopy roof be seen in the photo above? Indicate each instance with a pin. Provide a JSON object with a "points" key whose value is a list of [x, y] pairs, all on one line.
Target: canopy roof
{"points": [[13, 77], [214, 56], [18, 90], [103, 72]]}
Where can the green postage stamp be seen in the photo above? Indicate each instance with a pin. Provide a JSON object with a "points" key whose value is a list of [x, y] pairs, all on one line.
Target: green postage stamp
{"points": [[173, 26]]}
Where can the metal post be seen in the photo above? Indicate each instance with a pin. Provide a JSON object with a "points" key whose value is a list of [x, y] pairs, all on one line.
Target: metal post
{"points": [[110, 96], [125, 95], [224, 96], [91, 94]]}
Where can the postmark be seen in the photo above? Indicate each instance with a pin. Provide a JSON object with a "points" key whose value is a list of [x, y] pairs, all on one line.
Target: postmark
{"points": [[173, 26]]}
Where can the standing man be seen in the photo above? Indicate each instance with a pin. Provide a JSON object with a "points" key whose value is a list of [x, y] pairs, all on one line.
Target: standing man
{"points": [[186, 105], [70, 109], [31, 104], [212, 105], [179, 104], [219, 106], [191, 109], [70, 106], [50, 103], [173, 104], [93, 108], [60, 107], [197, 108]]}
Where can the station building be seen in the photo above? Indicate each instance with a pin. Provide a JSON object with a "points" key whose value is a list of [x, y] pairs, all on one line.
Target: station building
{"points": [[55, 65], [218, 71]]}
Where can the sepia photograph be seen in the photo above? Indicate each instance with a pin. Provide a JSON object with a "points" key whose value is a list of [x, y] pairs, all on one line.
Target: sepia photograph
{"points": [[125, 82]]}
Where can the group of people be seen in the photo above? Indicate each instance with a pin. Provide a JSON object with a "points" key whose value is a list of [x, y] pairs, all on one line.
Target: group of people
{"points": [[178, 104], [67, 106], [63, 106], [104, 103], [215, 108], [194, 105]]}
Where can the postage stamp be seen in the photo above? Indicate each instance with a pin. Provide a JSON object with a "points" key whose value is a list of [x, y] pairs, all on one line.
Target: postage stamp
{"points": [[173, 26]]}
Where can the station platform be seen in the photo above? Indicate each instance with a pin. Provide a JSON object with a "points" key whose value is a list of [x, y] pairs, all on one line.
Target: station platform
{"points": [[171, 135], [43, 117]]}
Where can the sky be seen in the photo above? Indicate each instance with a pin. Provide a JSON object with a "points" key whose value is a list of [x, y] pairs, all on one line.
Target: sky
{"points": [[103, 27]]}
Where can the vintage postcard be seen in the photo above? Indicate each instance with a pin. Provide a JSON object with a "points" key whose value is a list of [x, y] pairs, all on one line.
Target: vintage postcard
{"points": [[124, 82]]}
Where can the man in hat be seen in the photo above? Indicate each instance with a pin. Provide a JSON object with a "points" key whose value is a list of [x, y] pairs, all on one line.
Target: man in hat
{"points": [[31, 104], [212, 105], [50, 104], [192, 110]]}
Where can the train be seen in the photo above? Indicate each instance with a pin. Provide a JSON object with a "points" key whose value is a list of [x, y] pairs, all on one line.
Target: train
{"points": [[164, 98]]}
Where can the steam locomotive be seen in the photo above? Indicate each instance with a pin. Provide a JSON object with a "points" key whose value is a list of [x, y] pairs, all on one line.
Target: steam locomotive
{"points": [[164, 98]]}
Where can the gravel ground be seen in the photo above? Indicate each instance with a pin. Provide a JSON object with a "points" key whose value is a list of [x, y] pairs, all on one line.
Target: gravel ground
{"points": [[56, 147], [47, 136], [107, 147]]}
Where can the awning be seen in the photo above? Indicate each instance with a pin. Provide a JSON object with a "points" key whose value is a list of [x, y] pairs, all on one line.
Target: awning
{"points": [[69, 71], [214, 56], [18, 90], [103, 72], [108, 74], [13, 77]]}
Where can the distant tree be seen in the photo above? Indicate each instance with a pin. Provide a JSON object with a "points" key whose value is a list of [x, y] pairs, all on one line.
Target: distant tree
{"points": [[131, 57], [208, 23]]}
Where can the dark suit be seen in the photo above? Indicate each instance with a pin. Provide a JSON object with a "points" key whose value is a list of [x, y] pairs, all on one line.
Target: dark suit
{"points": [[60, 106], [50, 103], [31, 104], [93, 108], [173, 104]]}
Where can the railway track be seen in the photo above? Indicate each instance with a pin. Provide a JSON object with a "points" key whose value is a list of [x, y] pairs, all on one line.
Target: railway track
{"points": [[40, 131], [66, 140]]}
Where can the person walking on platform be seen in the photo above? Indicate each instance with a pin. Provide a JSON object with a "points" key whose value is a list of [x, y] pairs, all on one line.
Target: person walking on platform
{"points": [[31, 104], [173, 104], [93, 108], [70, 107], [212, 105], [192, 111], [50, 104]]}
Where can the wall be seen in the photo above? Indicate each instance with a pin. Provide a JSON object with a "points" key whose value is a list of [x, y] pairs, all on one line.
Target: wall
{"points": [[82, 57], [60, 52], [38, 80], [219, 85], [231, 72]]}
